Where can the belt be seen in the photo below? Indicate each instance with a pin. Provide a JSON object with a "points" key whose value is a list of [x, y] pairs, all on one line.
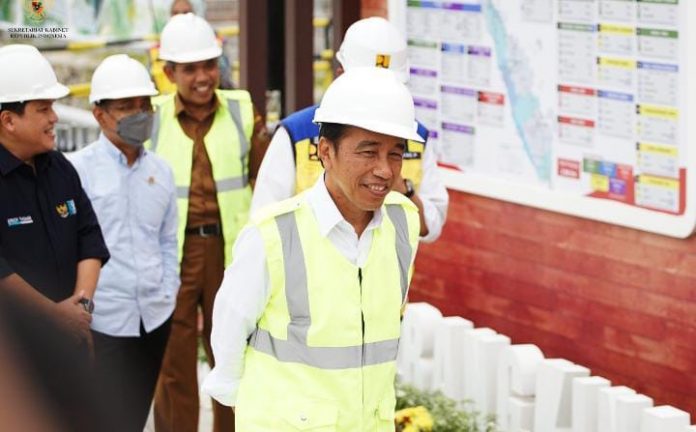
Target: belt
{"points": [[211, 230]]}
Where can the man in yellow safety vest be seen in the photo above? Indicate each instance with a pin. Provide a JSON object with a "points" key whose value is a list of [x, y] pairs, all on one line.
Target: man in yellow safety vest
{"points": [[213, 139], [306, 322]]}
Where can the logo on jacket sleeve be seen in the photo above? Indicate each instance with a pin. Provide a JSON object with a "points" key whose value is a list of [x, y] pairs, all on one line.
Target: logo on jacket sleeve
{"points": [[66, 209]]}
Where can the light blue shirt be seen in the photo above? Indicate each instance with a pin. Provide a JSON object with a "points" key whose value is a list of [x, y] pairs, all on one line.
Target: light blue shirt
{"points": [[136, 208]]}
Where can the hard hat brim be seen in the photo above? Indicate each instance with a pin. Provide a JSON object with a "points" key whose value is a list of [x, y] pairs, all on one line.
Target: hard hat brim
{"points": [[206, 54], [54, 92], [373, 126], [143, 91]]}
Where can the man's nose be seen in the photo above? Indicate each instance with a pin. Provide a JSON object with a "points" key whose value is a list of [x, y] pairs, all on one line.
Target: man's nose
{"points": [[383, 168]]}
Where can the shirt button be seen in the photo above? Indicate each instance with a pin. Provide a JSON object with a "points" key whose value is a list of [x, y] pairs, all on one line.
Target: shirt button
{"points": [[303, 418]]}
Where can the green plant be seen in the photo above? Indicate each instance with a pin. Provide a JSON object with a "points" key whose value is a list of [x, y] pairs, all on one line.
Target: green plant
{"points": [[447, 415]]}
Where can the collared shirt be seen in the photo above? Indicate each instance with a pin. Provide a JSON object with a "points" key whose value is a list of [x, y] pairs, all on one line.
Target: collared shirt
{"points": [[203, 206], [47, 225], [245, 289], [136, 206], [276, 182]]}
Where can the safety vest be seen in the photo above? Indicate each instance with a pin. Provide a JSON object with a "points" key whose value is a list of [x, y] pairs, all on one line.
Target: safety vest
{"points": [[227, 144], [323, 354], [304, 135]]}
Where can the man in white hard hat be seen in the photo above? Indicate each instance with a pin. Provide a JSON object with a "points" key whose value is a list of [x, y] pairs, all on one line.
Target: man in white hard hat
{"points": [[307, 321], [51, 246], [214, 141], [134, 196], [291, 164]]}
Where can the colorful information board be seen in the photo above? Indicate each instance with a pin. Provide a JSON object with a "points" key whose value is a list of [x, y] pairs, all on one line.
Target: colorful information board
{"points": [[579, 106]]}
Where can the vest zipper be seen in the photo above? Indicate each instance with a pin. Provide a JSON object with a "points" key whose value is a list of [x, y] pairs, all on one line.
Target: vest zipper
{"points": [[362, 315], [362, 358]]}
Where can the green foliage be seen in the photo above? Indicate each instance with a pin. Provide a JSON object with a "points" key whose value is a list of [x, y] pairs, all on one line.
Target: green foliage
{"points": [[447, 415]]}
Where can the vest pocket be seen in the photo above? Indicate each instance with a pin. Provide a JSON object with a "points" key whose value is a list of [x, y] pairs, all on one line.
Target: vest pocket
{"points": [[315, 416]]}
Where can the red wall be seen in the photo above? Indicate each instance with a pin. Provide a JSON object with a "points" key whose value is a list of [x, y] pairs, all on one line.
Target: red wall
{"points": [[619, 301]]}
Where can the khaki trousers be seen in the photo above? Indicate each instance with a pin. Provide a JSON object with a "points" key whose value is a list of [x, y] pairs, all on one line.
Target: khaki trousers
{"points": [[176, 398]]}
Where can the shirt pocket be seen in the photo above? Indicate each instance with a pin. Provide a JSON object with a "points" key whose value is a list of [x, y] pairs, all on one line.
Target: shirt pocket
{"points": [[310, 415], [152, 204], [102, 188]]}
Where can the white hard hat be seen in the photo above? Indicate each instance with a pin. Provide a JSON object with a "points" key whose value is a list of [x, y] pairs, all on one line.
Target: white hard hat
{"points": [[26, 75], [188, 38], [374, 42], [370, 98], [119, 76]]}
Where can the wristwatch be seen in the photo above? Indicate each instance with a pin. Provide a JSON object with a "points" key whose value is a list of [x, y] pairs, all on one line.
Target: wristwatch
{"points": [[409, 188], [87, 304]]}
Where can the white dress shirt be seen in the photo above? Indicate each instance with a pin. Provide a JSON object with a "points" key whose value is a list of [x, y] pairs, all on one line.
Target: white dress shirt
{"points": [[276, 182], [245, 289], [136, 208]]}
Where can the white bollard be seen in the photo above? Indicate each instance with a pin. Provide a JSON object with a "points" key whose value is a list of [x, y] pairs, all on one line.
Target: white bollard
{"points": [[664, 419], [423, 374], [552, 411], [417, 334], [516, 378], [606, 407], [520, 414], [584, 407], [488, 353], [628, 411], [469, 352], [448, 356]]}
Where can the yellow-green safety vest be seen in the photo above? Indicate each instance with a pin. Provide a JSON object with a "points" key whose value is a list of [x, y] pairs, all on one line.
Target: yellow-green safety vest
{"points": [[304, 135], [227, 143], [322, 357]]}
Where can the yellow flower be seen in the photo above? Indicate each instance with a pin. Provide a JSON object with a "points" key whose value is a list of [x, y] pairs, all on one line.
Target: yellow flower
{"points": [[415, 419]]}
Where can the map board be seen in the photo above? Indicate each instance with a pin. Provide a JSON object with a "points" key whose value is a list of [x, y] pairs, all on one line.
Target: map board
{"points": [[577, 106]]}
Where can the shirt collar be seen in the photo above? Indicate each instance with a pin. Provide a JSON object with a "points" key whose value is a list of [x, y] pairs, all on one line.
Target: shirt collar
{"points": [[113, 152], [180, 106], [326, 212], [10, 162]]}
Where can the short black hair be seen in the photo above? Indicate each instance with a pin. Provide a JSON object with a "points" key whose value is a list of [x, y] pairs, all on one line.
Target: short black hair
{"points": [[15, 107], [333, 132]]}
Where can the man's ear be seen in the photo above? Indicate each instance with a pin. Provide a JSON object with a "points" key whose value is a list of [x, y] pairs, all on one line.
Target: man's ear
{"points": [[326, 152], [98, 113], [7, 120], [169, 71]]}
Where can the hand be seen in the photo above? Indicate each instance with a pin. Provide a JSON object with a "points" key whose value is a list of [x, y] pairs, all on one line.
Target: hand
{"points": [[74, 318]]}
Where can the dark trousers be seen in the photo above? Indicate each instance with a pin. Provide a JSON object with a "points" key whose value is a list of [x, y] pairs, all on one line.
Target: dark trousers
{"points": [[127, 370]]}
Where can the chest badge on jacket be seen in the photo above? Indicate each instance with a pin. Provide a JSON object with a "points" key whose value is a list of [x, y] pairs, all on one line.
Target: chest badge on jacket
{"points": [[66, 209]]}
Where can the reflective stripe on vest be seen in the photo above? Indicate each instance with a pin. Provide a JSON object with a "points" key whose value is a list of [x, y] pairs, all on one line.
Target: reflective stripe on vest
{"points": [[295, 348], [223, 185]]}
